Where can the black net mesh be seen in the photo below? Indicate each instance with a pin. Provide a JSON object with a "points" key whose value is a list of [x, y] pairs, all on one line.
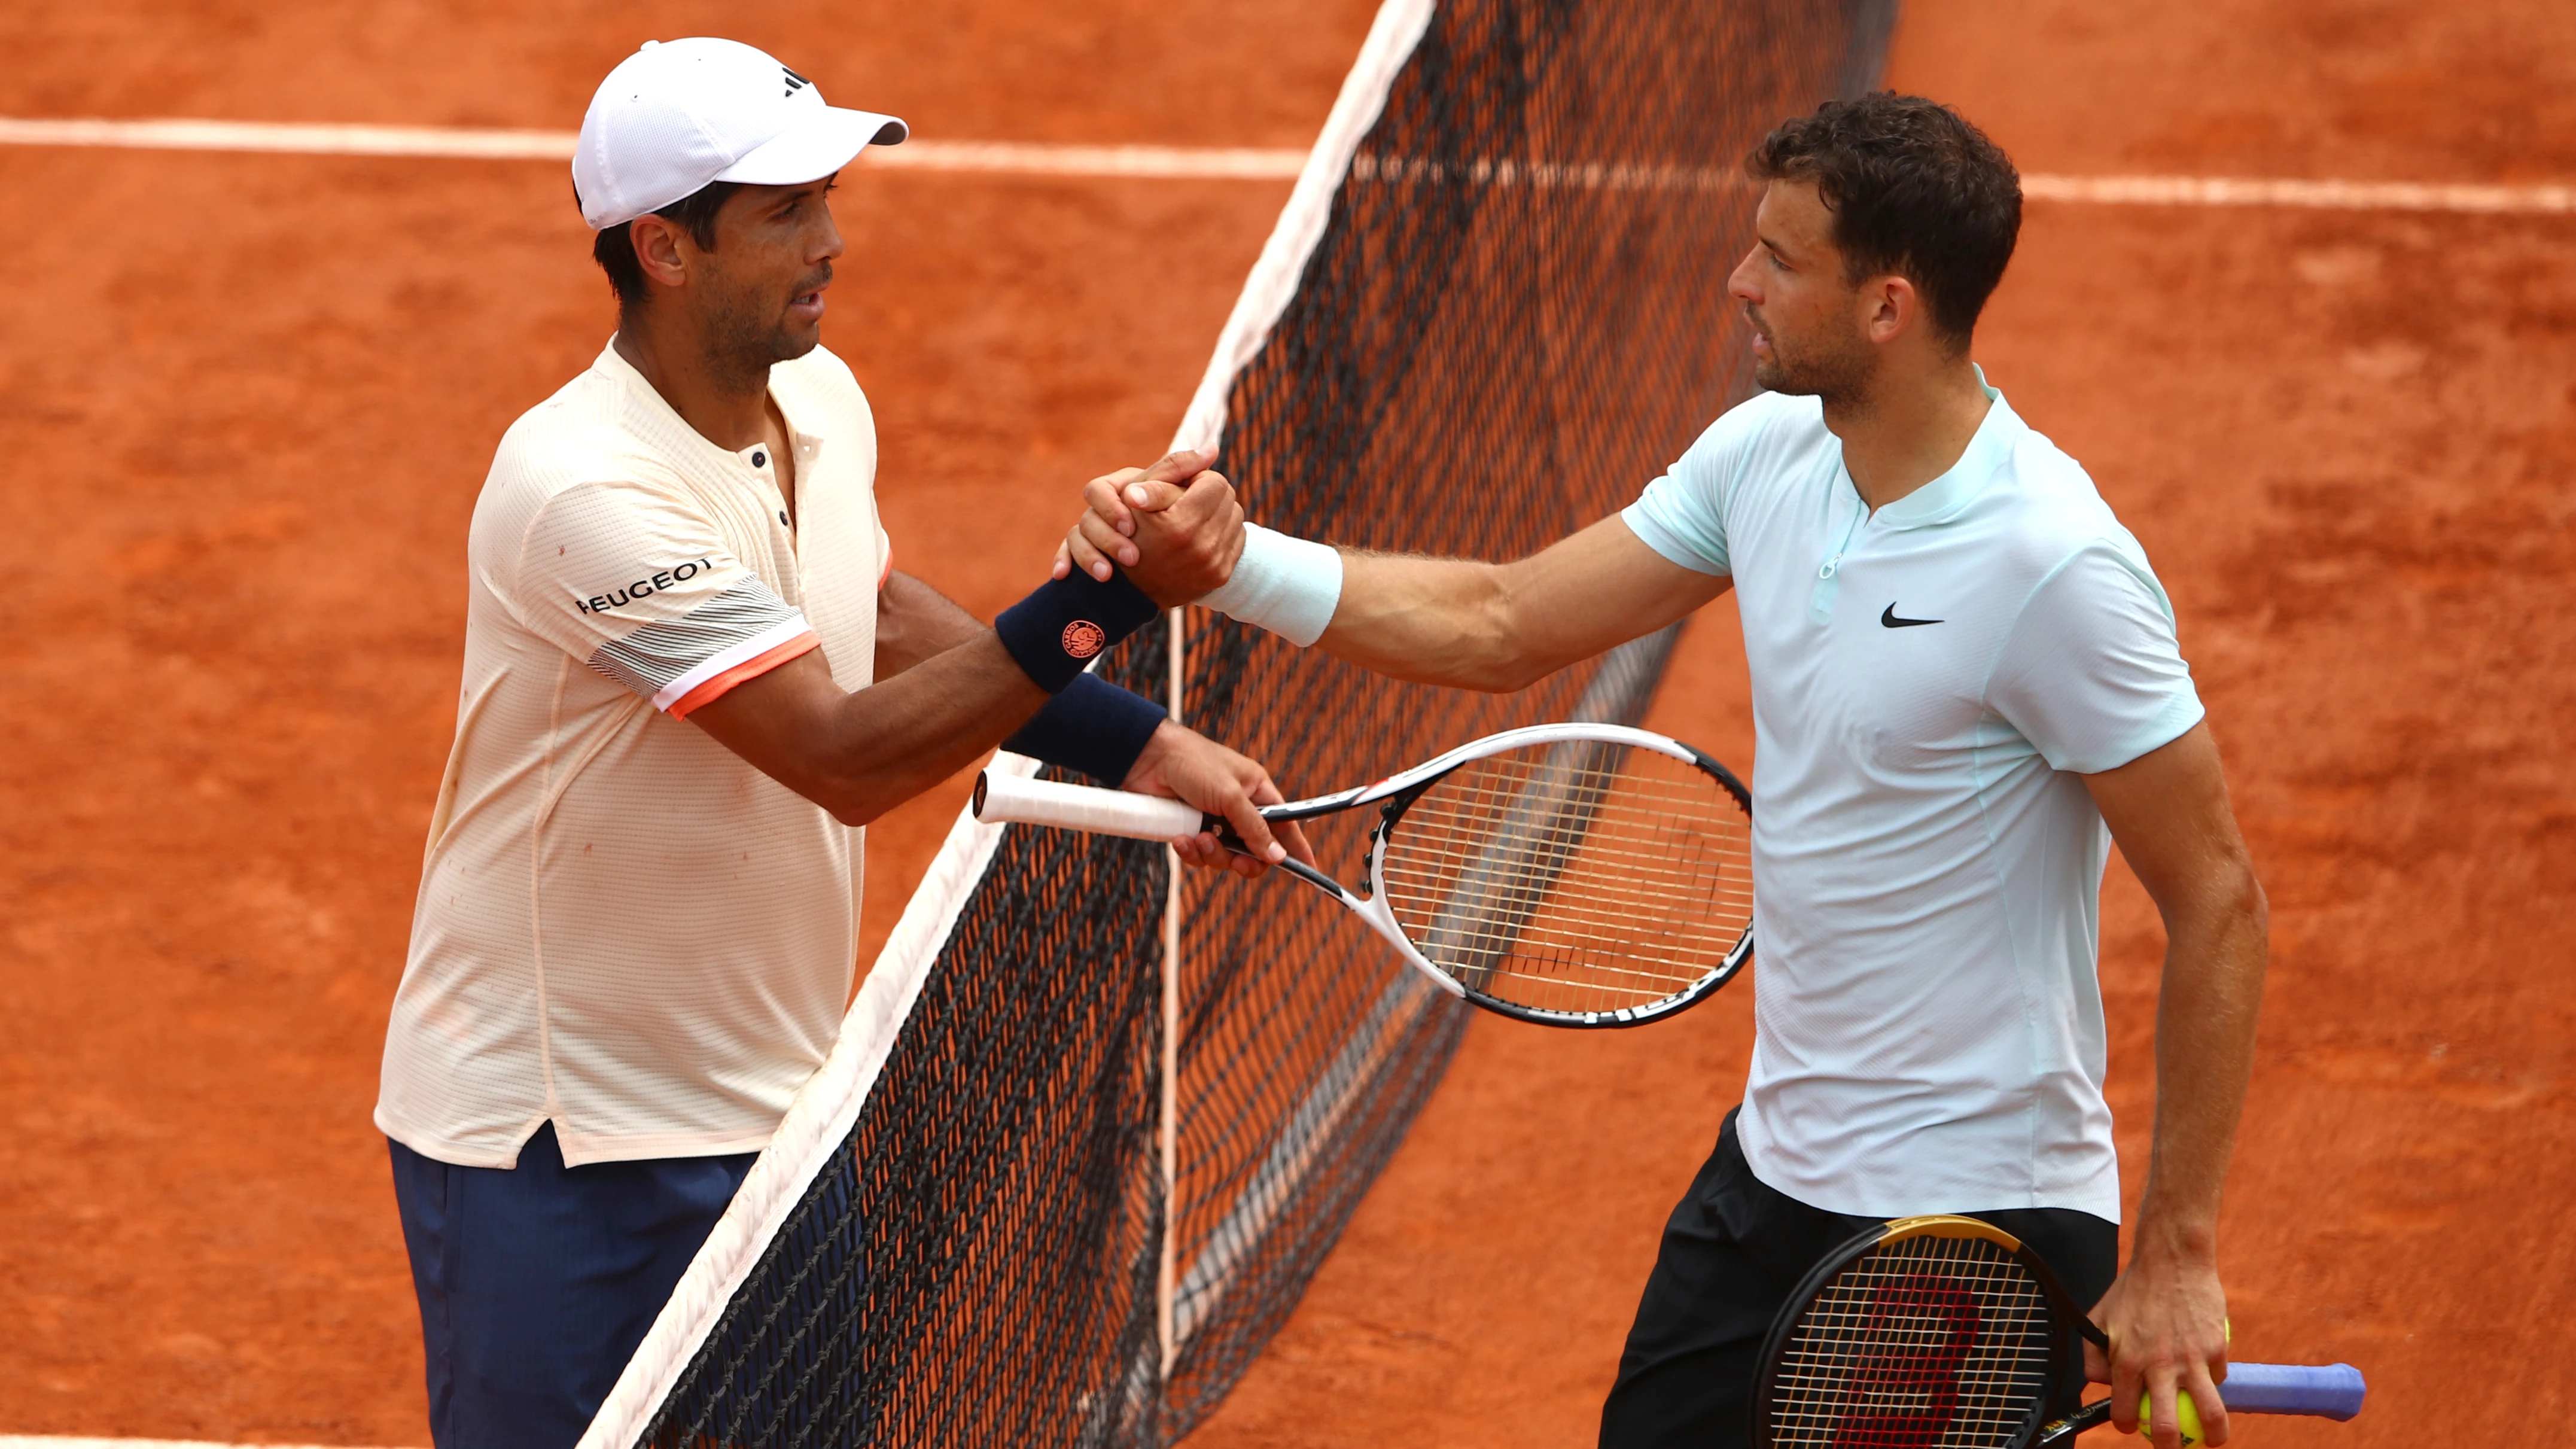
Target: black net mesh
{"points": [[1517, 314]]}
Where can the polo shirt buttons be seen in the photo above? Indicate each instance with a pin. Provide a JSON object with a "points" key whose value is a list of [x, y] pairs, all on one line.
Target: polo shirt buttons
{"points": [[782, 518], [760, 460]]}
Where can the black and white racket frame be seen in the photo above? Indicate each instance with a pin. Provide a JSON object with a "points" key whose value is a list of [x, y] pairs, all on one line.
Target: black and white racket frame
{"points": [[1006, 797], [1397, 793]]}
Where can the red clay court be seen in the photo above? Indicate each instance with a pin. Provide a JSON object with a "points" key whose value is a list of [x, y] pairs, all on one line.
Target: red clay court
{"points": [[250, 399]]}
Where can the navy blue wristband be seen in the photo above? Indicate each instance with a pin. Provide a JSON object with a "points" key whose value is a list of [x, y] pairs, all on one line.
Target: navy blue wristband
{"points": [[1064, 622], [1092, 726]]}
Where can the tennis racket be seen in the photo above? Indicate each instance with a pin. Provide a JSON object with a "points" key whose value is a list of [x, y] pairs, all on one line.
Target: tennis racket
{"points": [[1946, 1331], [1576, 875]]}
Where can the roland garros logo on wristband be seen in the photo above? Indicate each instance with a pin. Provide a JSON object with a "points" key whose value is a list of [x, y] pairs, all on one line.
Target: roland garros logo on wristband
{"points": [[1083, 638]]}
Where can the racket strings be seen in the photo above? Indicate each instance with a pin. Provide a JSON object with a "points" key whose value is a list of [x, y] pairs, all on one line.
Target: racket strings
{"points": [[1580, 876], [1582, 896], [1927, 1343]]}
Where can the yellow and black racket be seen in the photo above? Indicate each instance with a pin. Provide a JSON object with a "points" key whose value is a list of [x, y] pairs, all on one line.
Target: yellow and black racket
{"points": [[1579, 875], [1947, 1333]]}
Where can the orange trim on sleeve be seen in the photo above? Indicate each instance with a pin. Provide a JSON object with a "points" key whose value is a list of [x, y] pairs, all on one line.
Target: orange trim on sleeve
{"points": [[886, 572], [752, 668]]}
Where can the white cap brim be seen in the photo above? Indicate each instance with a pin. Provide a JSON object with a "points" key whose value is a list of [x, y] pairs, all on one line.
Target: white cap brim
{"points": [[815, 147]]}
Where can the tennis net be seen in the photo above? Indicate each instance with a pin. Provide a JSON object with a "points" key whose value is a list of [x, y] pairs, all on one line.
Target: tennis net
{"points": [[1089, 1130]]}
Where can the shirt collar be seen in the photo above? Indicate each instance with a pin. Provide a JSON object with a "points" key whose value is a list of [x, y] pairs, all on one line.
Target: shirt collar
{"points": [[614, 364], [1944, 497]]}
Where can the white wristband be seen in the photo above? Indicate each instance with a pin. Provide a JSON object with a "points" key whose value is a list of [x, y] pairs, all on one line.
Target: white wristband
{"points": [[1288, 586]]}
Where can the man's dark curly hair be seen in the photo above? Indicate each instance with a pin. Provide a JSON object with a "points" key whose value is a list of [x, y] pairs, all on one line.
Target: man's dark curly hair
{"points": [[614, 247], [1915, 190]]}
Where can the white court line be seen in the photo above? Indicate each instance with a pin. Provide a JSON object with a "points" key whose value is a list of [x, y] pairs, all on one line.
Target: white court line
{"points": [[45, 1441], [322, 140], [1218, 163], [2330, 195]]}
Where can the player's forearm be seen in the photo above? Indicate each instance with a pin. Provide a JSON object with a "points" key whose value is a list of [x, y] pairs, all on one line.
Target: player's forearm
{"points": [[1455, 622], [860, 754], [2205, 1026], [915, 623], [1431, 621], [872, 750]]}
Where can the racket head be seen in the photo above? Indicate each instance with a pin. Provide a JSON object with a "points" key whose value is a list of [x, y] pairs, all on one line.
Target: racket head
{"points": [[1936, 1332], [1594, 876]]}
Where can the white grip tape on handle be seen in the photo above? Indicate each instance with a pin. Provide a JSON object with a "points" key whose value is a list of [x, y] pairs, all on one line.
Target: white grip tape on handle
{"points": [[1010, 798]]}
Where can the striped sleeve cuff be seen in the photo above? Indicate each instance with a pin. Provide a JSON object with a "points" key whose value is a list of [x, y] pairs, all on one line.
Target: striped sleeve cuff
{"points": [[681, 663], [748, 659]]}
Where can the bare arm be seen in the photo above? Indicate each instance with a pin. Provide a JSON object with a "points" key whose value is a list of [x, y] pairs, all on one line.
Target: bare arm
{"points": [[2166, 1315], [947, 692], [1457, 622], [1505, 626], [861, 754], [916, 623]]}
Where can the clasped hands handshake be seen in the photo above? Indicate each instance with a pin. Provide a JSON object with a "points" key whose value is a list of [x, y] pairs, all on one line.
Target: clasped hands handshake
{"points": [[1176, 530]]}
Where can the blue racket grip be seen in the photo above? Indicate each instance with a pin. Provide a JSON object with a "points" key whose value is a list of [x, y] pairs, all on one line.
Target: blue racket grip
{"points": [[2328, 1391]]}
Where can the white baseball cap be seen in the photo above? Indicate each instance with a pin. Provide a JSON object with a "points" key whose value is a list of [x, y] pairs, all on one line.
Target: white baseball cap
{"points": [[677, 115]]}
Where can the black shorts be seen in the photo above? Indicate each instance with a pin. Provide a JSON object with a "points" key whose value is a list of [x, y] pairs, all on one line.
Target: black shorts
{"points": [[1733, 1251]]}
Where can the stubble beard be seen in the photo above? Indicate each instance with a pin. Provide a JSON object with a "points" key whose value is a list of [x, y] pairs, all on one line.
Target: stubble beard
{"points": [[1838, 370], [752, 333]]}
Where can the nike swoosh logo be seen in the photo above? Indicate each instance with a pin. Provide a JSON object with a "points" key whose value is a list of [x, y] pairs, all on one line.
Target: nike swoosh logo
{"points": [[1890, 620]]}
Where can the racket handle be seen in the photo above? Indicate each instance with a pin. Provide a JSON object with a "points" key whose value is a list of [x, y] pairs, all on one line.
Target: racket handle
{"points": [[2327, 1391], [1007, 798], [2324, 1391]]}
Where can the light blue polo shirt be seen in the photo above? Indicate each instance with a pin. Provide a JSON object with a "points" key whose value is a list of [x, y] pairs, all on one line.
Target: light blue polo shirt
{"points": [[1929, 684]]}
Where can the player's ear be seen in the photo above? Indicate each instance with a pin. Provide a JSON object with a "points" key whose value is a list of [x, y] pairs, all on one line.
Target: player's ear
{"points": [[658, 249], [1890, 304]]}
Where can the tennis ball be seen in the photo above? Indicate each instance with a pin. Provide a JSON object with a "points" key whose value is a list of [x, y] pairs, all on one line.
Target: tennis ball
{"points": [[2184, 1410]]}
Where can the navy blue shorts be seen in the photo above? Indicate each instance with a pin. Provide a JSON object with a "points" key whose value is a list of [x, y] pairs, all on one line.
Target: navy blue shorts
{"points": [[537, 1282]]}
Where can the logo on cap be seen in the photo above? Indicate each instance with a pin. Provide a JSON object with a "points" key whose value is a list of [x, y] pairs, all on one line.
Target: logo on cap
{"points": [[1083, 638], [795, 82]]}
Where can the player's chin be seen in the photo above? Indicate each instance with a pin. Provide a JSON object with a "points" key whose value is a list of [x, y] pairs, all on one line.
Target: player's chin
{"points": [[800, 326], [795, 338]]}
